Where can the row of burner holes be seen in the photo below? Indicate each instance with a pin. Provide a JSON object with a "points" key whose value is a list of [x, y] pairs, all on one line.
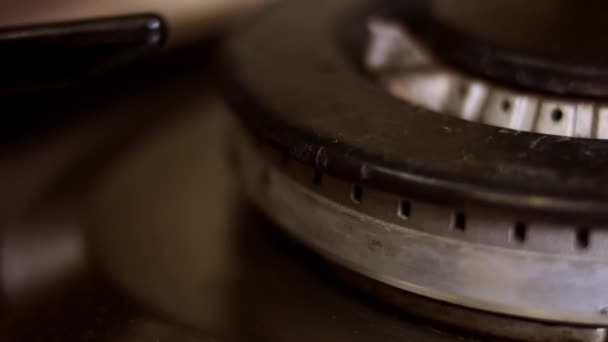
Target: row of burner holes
{"points": [[556, 115], [459, 219]]}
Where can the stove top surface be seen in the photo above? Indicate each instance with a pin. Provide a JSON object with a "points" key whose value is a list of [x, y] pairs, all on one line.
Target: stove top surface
{"points": [[156, 243]]}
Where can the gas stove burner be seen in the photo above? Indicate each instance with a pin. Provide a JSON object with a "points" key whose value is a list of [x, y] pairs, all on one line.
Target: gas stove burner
{"points": [[411, 73], [503, 231], [528, 67]]}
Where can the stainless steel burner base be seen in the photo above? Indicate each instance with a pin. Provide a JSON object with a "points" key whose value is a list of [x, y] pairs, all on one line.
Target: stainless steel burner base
{"points": [[357, 229]]}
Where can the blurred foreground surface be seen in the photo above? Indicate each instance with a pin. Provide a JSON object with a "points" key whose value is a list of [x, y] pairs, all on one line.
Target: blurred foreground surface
{"points": [[126, 223]]}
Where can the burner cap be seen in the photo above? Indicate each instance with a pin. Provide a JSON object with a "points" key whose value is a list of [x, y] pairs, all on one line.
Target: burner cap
{"points": [[547, 45]]}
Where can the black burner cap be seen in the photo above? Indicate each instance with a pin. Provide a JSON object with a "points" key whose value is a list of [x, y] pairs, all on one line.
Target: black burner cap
{"points": [[554, 46]]}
